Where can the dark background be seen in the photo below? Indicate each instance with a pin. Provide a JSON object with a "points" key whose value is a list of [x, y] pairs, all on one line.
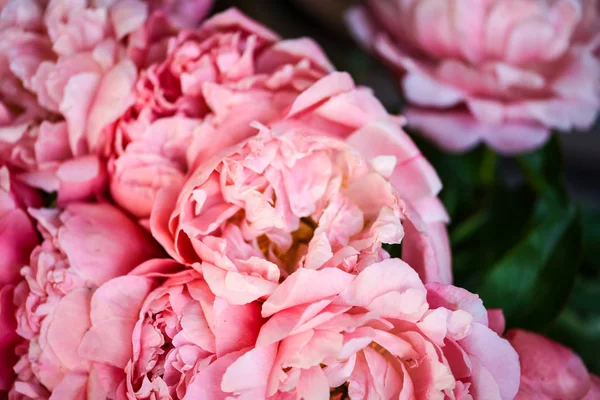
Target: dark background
{"points": [[321, 20]]}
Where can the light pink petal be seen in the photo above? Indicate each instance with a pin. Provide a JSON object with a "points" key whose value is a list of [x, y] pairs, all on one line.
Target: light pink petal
{"points": [[483, 383], [53, 142], [452, 131], [68, 326], [313, 384], [80, 179], [72, 387], [234, 18], [237, 288], [159, 220], [206, 384], [384, 138], [115, 309], [250, 371], [469, 23], [390, 287], [455, 298], [75, 106], [329, 86], [187, 14], [103, 381], [319, 252], [112, 98], [298, 319], [127, 16], [289, 50], [515, 138], [113, 252], [495, 355], [426, 91], [236, 327], [137, 178], [299, 288], [501, 19], [416, 179]]}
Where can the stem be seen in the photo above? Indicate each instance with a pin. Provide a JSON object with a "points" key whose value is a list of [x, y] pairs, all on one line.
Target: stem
{"points": [[543, 171], [488, 167], [534, 180]]}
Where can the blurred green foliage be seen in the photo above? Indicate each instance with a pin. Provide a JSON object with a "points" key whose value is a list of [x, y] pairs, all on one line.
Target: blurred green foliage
{"points": [[521, 243]]}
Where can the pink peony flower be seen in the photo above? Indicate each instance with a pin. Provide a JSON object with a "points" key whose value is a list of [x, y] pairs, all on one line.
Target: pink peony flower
{"points": [[18, 238], [380, 334], [550, 370], [42, 156], [274, 204], [73, 61], [43, 49], [214, 82], [303, 201], [84, 246], [183, 340], [500, 72]]}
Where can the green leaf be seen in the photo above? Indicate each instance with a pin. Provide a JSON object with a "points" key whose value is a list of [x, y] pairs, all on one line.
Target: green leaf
{"points": [[466, 177], [591, 241], [578, 326], [544, 171], [479, 242], [532, 282], [515, 242]]}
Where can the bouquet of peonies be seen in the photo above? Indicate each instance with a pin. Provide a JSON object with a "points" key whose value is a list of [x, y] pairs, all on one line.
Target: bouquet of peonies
{"points": [[201, 210]]}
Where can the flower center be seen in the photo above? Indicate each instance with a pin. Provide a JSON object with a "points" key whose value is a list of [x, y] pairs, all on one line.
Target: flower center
{"points": [[375, 346], [339, 393], [288, 260]]}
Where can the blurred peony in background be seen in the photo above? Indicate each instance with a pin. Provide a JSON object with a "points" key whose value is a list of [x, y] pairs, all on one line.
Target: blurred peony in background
{"points": [[327, 23]]}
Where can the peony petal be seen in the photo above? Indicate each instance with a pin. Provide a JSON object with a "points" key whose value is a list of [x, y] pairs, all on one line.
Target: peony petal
{"points": [[492, 355], [594, 392], [236, 327], [112, 97], [72, 387], [206, 384], [313, 384], [96, 249], [452, 131], [497, 323], [299, 288], [455, 298], [68, 326], [115, 308], [127, 16], [425, 91], [250, 371], [548, 368], [329, 86], [386, 282]]}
